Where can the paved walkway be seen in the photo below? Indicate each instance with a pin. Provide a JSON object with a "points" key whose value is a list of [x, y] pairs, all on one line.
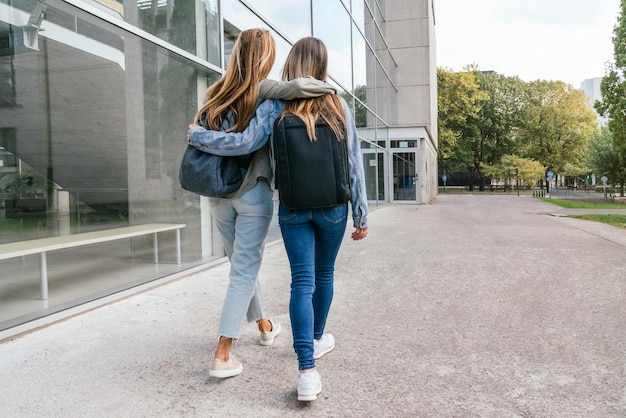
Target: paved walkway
{"points": [[472, 306]]}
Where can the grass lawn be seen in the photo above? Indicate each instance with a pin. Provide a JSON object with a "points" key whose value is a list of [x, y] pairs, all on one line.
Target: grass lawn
{"points": [[574, 204], [617, 220], [610, 219]]}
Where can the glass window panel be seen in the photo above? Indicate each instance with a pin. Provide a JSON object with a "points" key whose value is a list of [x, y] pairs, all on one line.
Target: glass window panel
{"points": [[282, 50], [60, 17], [404, 170], [359, 50], [392, 92], [370, 169], [237, 18], [367, 134], [359, 70], [374, 163], [291, 17], [404, 143], [370, 64], [7, 81], [374, 160], [376, 9], [189, 25], [381, 49], [360, 109], [331, 24], [210, 33], [369, 26], [382, 94], [25, 5], [8, 161], [358, 13], [171, 20], [93, 141], [113, 7]]}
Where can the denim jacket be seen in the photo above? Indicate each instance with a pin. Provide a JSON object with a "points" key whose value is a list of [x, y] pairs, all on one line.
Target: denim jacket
{"points": [[256, 135]]}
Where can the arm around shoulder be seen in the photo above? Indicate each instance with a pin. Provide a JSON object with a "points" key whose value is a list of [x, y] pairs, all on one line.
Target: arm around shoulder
{"points": [[234, 143], [304, 87]]}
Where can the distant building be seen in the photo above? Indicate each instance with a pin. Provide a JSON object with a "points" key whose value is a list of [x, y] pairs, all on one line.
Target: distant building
{"points": [[591, 86]]}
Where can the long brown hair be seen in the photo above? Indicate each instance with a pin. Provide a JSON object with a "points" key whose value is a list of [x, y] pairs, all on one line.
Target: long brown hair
{"points": [[252, 59], [309, 57]]}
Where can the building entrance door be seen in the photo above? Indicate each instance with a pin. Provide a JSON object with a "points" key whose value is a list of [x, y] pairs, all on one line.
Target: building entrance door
{"points": [[405, 179]]}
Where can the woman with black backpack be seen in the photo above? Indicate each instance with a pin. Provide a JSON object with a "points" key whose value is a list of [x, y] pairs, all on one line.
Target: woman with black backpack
{"points": [[316, 175]]}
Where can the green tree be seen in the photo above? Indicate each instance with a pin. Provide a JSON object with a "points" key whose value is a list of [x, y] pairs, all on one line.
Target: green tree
{"points": [[575, 171], [529, 171], [459, 100], [360, 111], [497, 120], [613, 87], [557, 124], [604, 159]]}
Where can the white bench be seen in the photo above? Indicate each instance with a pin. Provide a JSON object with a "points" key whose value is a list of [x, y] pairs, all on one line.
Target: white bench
{"points": [[43, 245]]}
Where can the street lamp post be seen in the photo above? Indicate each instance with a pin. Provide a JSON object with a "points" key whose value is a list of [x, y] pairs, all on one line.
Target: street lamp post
{"points": [[509, 180]]}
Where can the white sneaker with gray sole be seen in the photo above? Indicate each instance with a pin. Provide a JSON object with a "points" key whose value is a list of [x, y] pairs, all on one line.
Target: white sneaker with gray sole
{"points": [[309, 386], [323, 346]]}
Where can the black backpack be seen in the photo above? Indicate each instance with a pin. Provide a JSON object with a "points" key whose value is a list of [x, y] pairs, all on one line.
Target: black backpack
{"points": [[309, 174]]}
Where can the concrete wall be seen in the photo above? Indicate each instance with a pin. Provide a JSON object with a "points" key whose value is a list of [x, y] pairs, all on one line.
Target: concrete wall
{"points": [[410, 35]]}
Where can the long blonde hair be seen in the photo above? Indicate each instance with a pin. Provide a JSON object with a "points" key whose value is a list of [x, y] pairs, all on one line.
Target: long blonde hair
{"points": [[309, 57], [252, 59]]}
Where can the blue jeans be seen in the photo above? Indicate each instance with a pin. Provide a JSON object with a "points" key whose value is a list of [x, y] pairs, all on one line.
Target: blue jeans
{"points": [[243, 224], [312, 239]]}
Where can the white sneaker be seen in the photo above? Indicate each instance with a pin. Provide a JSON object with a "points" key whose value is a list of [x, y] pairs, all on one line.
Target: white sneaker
{"points": [[309, 386], [323, 346]]}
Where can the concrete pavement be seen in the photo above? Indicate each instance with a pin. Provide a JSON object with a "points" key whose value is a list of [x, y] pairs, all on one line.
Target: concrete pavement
{"points": [[472, 306]]}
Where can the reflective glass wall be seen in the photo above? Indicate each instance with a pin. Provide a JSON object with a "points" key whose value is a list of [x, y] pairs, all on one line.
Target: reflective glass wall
{"points": [[95, 99]]}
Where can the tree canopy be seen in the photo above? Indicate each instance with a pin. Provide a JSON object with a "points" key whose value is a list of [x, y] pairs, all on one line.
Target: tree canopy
{"points": [[490, 123], [485, 117], [557, 124], [459, 101], [613, 104]]}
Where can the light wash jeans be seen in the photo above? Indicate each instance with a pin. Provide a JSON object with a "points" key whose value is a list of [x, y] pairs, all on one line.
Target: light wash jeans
{"points": [[312, 239], [243, 223]]}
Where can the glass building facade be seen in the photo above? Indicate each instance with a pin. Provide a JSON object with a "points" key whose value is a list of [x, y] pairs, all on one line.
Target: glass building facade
{"points": [[95, 99]]}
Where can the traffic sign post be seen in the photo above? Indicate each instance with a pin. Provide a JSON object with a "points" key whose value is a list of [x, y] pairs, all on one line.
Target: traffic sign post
{"points": [[549, 181]]}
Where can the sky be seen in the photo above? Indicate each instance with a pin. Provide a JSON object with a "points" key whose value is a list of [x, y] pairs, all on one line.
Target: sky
{"points": [[564, 40]]}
